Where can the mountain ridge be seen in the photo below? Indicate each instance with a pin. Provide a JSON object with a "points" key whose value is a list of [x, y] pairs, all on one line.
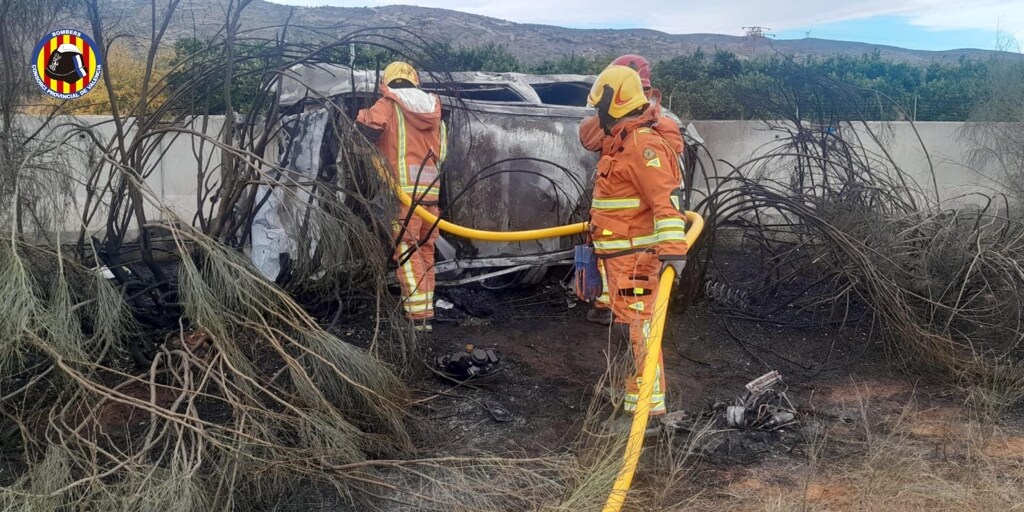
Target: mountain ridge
{"points": [[530, 43]]}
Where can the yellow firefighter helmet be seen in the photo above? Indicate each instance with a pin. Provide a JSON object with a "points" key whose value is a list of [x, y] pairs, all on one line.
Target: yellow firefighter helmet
{"points": [[399, 70], [617, 91]]}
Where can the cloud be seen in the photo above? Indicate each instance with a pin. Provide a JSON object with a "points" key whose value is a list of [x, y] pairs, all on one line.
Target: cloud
{"points": [[728, 17], [1007, 16], [797, 13]]}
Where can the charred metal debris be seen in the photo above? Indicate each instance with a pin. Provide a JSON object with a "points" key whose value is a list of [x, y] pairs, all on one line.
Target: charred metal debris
{"points": [[762, 407], [468, 363]]}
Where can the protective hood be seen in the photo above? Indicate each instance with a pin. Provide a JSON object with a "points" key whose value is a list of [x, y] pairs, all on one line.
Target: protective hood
{"points": [[422, 109]]}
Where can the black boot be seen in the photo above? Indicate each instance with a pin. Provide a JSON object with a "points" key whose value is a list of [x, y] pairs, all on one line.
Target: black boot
{"points": [[600, 316]]}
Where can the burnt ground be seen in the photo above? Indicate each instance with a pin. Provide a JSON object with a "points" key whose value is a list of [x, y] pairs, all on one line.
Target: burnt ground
{"points": [[839, 379], [552, 357]]}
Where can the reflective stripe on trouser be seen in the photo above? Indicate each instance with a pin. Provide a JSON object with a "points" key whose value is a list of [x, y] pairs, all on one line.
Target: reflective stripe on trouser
{"points": [[604, 300], [416, 274], [633, 280], [638, 336]]}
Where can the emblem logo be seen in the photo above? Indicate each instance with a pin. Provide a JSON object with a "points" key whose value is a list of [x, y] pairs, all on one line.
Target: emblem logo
{"points": [[66, 64]]}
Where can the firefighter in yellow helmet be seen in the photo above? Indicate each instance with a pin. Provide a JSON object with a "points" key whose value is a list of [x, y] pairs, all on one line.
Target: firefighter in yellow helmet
{"points": [[592, 135], [407, 127], [636, 217], [590, 128]]}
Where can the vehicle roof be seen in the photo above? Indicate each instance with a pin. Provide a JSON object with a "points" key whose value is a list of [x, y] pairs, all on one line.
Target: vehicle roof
{"points": [[327, 80]]}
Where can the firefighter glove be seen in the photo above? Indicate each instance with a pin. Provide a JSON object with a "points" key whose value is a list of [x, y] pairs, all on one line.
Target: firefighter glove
{"points": [[677, 264]]}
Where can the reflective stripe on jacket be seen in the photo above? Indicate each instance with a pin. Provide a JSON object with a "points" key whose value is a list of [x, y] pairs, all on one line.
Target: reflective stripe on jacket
{"points": [[636, 192], [414, 139]]}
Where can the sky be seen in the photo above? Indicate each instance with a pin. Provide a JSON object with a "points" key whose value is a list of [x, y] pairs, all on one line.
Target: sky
{"points": [[917, 24]]}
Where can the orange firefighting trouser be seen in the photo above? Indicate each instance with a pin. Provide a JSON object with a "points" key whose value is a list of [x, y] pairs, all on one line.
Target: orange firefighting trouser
{"points": [[632, 286], [415, 257]]}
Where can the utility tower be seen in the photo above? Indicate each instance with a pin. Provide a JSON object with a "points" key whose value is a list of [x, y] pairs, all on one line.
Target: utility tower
{"points": [[755, 36], [757, 32]]}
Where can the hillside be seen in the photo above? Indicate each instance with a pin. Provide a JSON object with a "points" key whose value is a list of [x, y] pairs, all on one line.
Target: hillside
{"points": [[529, 43]]}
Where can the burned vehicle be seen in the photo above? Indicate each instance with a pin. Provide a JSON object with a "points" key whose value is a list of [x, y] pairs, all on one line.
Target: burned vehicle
{"points": [[514, 162]]}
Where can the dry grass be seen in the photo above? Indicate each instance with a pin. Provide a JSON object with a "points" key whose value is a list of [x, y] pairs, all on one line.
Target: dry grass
{"points": [[277, 404], [843, 233], [273, 405], [915, 460]]}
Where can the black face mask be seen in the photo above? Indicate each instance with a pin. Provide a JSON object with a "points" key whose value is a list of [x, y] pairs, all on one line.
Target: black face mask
{"points": [[603, 116]]}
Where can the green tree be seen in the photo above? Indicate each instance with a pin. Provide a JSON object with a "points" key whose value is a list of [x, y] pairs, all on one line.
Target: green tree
{"points": [[724, 65], [196, 70], [701, 85], [571, 64], [870, 87], [490, 57]]}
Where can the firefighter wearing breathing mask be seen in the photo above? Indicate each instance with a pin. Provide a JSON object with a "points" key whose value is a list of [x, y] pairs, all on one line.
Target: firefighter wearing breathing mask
{"points": [[636, 217]]}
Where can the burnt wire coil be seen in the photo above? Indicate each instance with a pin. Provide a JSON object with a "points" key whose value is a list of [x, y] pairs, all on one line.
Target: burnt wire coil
{"points": [[723, 293]]}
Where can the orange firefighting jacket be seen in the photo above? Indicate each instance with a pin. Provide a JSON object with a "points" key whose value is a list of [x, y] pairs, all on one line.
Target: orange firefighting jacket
{"points": [[414, 138], [592, 136], [636, 200]]}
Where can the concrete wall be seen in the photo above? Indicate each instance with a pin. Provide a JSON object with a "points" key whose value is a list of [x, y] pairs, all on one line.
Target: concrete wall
{"points": [[172, 177], [949, 153]]}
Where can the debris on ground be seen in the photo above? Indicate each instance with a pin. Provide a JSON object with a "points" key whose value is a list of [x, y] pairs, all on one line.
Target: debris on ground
{"points": [[468, 363], [465, 308], [498, 412], [762, 407], [755, 425], [720, 292], [472, 302]]}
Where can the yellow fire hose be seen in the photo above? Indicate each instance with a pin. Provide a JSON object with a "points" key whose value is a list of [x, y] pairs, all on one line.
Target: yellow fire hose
{"points": [[637, 430], [634, 446], [494, 236]]}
